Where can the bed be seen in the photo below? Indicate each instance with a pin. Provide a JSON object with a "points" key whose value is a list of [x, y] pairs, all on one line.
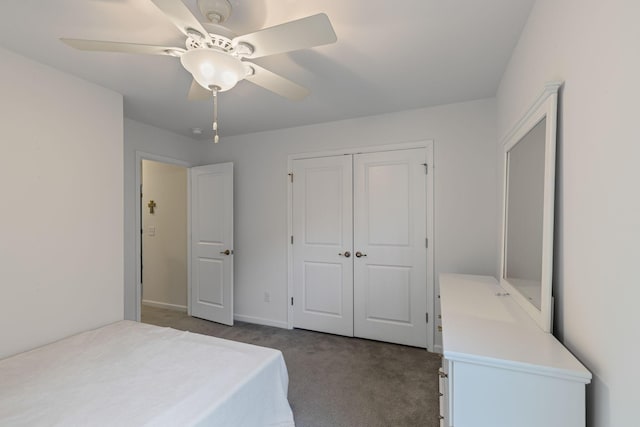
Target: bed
{"points": [[132, 374]]}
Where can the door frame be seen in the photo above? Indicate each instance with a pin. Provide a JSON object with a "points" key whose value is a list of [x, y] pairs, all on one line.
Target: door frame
{"points": [[140, 156], [428, 146]]}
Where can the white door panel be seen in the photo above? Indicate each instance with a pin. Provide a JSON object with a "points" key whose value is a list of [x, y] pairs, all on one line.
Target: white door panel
{"points": [[390, 284], [322, 229], [323, 286], [387, 303], [387, 198], [211, 267]]}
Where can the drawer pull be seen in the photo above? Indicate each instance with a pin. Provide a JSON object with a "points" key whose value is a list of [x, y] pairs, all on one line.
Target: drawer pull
{"points": [[440, 417], [439, 328], [441, 394], [442, 374]]}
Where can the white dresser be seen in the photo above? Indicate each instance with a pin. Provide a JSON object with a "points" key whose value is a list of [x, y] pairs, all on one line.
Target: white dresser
{"points": [[499, 368]]}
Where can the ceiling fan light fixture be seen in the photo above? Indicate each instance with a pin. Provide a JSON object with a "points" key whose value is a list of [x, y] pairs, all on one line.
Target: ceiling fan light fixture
{"points": [[211, 67], [214, 53]]}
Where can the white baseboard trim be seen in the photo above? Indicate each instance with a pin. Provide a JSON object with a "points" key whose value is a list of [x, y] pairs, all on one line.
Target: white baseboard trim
{"points": [[166, 305], [260, 321]]}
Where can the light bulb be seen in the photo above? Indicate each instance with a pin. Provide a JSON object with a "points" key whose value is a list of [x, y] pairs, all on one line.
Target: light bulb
{"points": [[207, 70]]}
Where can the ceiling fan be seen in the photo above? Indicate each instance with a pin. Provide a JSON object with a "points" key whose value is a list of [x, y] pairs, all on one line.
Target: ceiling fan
{"points": [[217, 58]]}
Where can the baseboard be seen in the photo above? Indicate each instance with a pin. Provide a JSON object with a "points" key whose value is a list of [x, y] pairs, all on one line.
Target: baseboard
{"points": [[166, 305], [437, 349], [260, 321]]}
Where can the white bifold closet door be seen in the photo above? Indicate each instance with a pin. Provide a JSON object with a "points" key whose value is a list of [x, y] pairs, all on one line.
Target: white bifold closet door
{"points": [[322, 244], [359, 251]]}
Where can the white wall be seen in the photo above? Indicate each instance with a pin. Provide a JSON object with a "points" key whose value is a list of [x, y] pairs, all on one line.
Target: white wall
{"points": [[593, 46], [61, 260], [164, 237], [466, 199], [150, 140], [466, 192]]}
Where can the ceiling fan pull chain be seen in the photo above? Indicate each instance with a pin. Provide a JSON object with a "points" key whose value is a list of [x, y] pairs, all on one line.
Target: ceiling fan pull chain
{"points": [[216, 138]]}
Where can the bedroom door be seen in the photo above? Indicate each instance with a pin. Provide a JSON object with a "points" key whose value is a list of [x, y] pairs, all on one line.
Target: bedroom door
{"points": [[322, 244], [211, 250]]}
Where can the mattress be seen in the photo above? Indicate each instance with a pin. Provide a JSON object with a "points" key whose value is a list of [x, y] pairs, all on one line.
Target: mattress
{"points": [[132, 374]]}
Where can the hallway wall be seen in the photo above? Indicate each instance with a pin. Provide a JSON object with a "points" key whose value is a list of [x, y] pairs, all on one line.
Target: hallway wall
{"points": [[164, 235]]}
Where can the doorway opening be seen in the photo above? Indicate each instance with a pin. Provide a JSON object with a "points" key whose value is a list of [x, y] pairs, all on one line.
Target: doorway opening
{"points": [[184, 242], [142, 230], [163, 236]]}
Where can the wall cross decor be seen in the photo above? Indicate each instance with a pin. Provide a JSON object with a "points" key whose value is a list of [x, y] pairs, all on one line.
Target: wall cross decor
{"points": [[151, 206]]}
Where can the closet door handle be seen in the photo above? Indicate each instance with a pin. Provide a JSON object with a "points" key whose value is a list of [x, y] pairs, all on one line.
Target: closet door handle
{"points": [[227, 252], [346, 254], [360, 254]]}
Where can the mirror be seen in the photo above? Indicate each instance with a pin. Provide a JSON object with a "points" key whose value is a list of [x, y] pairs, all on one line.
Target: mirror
{"points": [[529, 184], [525, 188]]}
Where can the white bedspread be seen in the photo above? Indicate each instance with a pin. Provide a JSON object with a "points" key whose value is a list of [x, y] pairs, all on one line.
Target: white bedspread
{"points": [[132, 374]]}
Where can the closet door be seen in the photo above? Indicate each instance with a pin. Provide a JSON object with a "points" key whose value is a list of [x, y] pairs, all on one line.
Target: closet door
{"points": [[390, 283], [322, 244]]}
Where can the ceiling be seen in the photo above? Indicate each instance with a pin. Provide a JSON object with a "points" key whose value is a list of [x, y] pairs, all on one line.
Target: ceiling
{"points": [[390, 56]]}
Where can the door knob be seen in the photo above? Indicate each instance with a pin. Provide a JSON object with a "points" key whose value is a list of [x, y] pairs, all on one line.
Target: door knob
{"points": [[346, 254], [227, 252], [360, 254]]}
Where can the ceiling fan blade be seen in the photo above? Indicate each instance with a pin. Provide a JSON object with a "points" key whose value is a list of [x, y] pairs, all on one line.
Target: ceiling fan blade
{"points": [[181, 17], [315, 30], [276, 83], [198, 93], [104, 46]]}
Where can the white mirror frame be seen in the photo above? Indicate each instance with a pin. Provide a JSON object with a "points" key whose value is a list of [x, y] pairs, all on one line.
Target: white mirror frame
{"points": [[544, 107]]}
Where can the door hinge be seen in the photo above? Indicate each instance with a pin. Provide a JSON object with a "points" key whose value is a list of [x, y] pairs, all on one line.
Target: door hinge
{"points": [[292, 240], [290, 176], [426, 242], [291, 300], [427, 317], [426, 168]]}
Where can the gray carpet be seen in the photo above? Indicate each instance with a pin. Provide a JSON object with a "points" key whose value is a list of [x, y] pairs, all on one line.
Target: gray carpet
{"points": [[336, 381]]}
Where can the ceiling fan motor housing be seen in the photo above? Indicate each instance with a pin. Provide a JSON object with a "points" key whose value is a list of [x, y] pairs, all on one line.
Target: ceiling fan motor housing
{"points": [[218, 42]]}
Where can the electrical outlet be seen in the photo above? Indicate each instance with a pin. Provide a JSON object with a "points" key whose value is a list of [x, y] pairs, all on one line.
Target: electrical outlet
{"points": [[267, 297]]}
